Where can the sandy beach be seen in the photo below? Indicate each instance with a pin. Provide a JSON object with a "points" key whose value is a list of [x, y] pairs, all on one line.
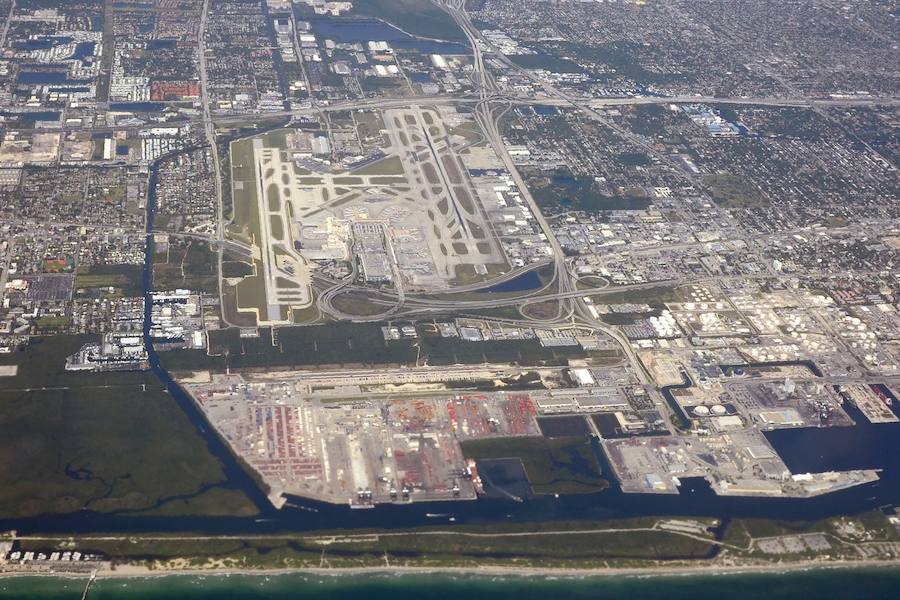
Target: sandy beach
{"points": [[125, 571]]}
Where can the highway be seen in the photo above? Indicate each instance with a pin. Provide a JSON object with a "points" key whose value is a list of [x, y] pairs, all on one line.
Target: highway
{"points": [[325, 300], [488, 116], [210, 129], [589, 103], [3, 35], [490, 104], [571, 305], [490, 107]]}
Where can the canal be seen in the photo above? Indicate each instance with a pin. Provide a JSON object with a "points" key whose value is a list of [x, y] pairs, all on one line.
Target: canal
{"points": [[864, 446]]}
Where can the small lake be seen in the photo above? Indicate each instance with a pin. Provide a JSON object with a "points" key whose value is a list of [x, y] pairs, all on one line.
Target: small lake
{"points": [[522, 283], [349, 31]]}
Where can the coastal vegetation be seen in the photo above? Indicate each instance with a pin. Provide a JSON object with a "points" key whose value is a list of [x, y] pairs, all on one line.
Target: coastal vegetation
{"points": [[641, 542], [105, 442], [547, 544], [357, 344]]}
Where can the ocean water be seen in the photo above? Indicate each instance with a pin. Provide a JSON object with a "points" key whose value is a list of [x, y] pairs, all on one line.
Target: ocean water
{"points": [[839, 584]]}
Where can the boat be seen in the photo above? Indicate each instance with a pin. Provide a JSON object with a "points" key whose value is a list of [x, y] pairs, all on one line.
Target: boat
{"points": [[884, 396], [300, 507]]}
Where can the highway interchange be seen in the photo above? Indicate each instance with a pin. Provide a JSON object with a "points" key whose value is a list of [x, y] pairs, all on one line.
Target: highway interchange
{"points": [[490, 104]]}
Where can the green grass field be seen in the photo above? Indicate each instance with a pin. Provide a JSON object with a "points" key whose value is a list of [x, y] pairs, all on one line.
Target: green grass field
{"points": [[386, 166], [250, 292], [52, 321], [126, 279], [243, 172], [357, 303]]}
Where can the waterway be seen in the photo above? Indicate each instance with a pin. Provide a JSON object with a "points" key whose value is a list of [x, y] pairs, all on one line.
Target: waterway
{"points": [[31, 117], [873, 446], [137, 106], [863, 446], [42, 43], [47, 78]]}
